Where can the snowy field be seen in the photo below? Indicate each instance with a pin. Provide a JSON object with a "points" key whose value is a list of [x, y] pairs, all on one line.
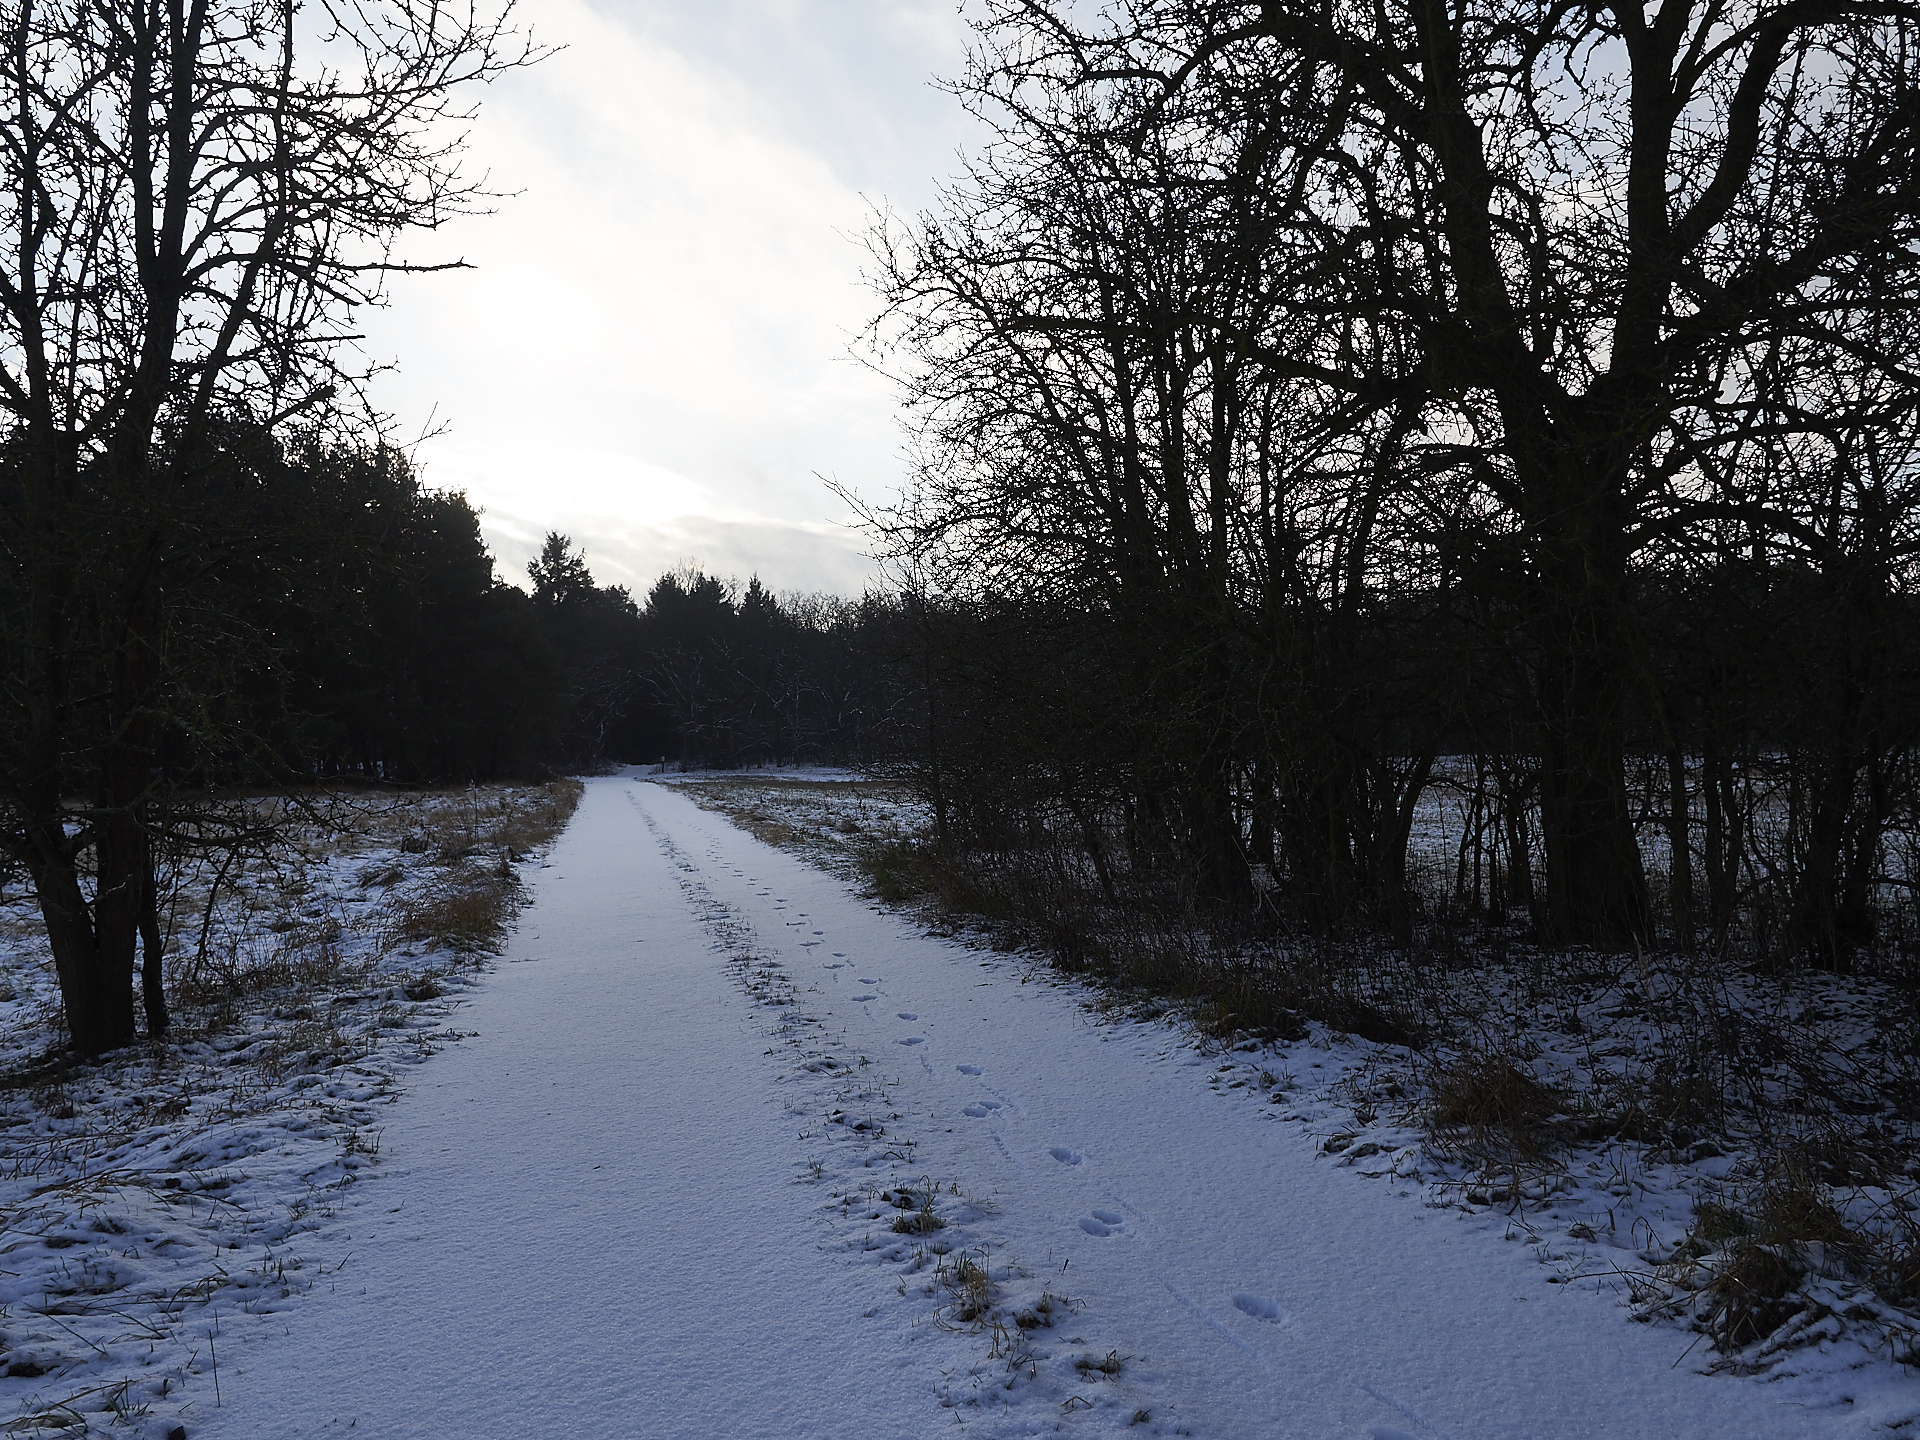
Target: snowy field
{"points": [[725, 1149]]}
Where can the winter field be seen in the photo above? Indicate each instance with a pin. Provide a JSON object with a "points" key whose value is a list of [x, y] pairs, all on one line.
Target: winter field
{"points": [[716, 1145]]}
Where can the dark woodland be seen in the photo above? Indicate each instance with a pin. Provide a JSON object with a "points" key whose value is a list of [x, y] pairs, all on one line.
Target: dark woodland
{"points": [[1316, 406], [1313, 411]]}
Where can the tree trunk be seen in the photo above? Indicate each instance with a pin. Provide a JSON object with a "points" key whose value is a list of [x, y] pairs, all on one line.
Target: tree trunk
{"points": [[95, 972], [152, 955], [1213, 833], [1831, 917], [1090, 835], [1394, 827], [1726, 844], [1679, 851], [1596, 885], [1520, 861]]}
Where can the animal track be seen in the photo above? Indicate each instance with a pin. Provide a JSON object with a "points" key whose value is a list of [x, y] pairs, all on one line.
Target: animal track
{"points": [[914, 1040], [862, 999], [907, 1015], [1260, 1308], [1103, 1223], [978, 1112], [968, 1069], [865, 981], [1064, 1155]]}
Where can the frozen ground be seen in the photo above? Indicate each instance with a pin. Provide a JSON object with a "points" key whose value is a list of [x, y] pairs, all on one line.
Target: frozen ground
{"points": [[727, 1151], [159, 1204]]}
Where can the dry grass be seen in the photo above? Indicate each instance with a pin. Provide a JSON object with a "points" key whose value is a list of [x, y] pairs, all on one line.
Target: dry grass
{"points": [[919, 1217], [1756, 1258], [1485, 1108], [969, 1287], [266, 932], [306, 954], [302, 973], [462, 824], [1751, 1295], [1900, 1272], [1152, 941], [465, 909], [1096, 1367], [1795, 1209]]}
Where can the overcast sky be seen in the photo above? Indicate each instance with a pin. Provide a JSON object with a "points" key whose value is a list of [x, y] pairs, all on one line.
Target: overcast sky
{"points": [[650, 354]]}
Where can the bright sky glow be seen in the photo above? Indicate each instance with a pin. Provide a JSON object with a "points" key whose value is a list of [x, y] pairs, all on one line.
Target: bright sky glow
{"points": [[651, 353]]}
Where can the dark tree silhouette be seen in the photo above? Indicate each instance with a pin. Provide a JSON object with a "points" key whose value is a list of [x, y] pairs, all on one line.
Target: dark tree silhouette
{"points": [[195, 198]]}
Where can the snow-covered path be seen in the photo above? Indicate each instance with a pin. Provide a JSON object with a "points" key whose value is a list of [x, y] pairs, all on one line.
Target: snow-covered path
{"points": [[601, 1219]]}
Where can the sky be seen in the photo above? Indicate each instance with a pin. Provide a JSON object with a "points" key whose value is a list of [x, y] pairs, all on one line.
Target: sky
{"points": [[653, 350]]}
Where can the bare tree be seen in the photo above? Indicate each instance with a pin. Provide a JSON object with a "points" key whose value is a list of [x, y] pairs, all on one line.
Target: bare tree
{"points": [[196, 197], [1599, 255]]}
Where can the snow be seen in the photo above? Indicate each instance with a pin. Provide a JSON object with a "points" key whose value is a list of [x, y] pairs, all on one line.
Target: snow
{"points": [[722, 1149], [729, 1151], [155, 1200]]}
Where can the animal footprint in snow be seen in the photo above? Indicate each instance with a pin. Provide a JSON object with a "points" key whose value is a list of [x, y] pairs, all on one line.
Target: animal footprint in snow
{"points": [[865, 981], [836, 967], [1103, 1223], [980, 1108], [862, 999], [839, 954], [968, 1069], [1064, 1155], [914, 1040], [1259, 1307], [908, 1015]]}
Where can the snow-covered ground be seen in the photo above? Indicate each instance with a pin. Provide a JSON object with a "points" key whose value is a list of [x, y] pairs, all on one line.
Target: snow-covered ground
{"points": [[726, 1150], [156, 1202]]}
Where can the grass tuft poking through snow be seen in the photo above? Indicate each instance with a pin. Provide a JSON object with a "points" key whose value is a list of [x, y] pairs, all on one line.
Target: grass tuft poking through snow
{"points": [[1485, 1109]]}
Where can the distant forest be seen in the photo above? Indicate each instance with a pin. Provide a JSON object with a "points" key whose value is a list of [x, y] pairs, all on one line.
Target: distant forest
{"points": [[359, 631]]}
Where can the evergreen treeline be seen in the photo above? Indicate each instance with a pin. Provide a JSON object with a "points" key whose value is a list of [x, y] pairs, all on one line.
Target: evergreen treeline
{"points": [[338, 619], [334, 618]]}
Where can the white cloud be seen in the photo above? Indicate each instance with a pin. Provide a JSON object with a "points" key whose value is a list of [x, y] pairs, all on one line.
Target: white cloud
{"points": [[650, 352]]}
